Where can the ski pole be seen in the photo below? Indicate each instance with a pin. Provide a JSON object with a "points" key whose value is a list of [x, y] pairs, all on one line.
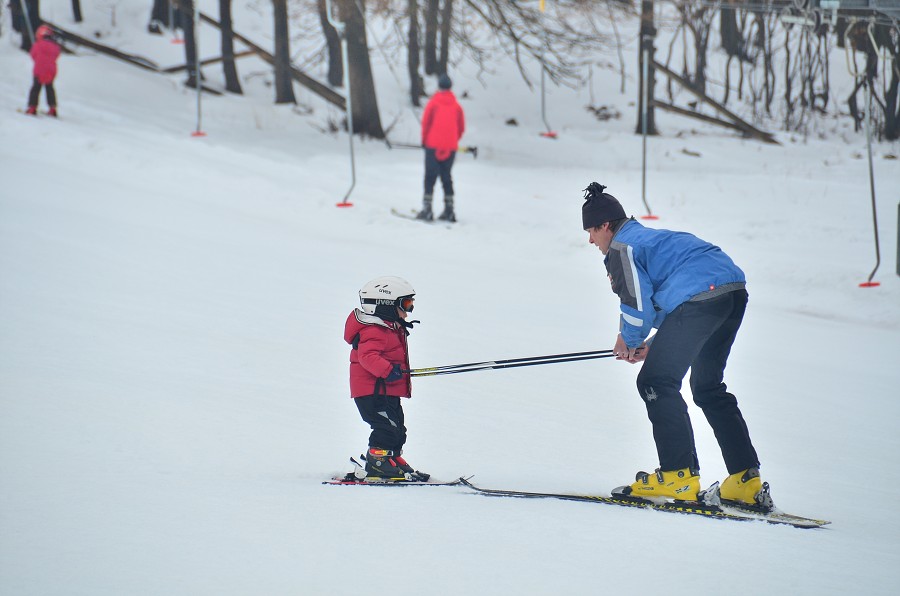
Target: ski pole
{"points": [[508, 361], [497, 366], [462, 149]]}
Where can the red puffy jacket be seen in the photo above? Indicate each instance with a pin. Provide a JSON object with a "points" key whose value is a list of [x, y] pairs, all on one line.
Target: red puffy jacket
{"points": [[378, 346], [443, 124], [44, 53]]}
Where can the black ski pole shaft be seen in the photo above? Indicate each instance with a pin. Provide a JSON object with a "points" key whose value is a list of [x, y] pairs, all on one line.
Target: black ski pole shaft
{"points": [[496, 366], [508, 361]]}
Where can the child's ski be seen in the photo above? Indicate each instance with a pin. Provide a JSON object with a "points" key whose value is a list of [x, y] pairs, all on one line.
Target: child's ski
{"points": [[359, 476], [351, 480]]}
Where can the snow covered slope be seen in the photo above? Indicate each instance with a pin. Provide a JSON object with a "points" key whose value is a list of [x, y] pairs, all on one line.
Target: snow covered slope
{"points": [[173, 380]]}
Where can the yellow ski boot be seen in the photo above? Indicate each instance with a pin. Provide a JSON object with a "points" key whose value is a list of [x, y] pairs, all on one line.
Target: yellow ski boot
{"points": [[682, 485], [746, 489]]}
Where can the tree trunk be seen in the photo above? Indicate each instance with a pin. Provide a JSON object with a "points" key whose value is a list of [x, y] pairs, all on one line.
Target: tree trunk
{"points": [[431, 27], [891, 107], [159, 17], [366, 119], [25, 14], [186, 18], [732, 42], [284, 89], [232, 81], [446, 21], [416, 87], [333, 42], [647, 34]]}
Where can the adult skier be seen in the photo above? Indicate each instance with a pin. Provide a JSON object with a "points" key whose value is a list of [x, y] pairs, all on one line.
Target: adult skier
{"points": [[443, 125], [44, 53], [377, 332], [695, 296]]}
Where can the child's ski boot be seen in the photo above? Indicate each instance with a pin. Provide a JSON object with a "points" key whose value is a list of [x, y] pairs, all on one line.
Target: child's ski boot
{"points": [[381, 463], [409, 471]]}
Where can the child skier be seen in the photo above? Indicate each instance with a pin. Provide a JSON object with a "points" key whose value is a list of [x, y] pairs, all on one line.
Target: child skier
{"points": [[380, 355], [44, 52]]}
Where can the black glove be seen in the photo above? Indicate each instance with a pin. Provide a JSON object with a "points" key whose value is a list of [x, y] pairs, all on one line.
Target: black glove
{"points": [[395, 374]]}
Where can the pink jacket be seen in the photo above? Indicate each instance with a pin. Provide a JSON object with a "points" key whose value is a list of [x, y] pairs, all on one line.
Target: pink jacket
{"points": [[378, 346], [44, 53]]}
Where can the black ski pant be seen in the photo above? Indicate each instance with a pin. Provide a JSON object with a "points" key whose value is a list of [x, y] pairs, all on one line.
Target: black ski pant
{"points": [[35, 93], [435, 169], [385, 415], [696, 335]]}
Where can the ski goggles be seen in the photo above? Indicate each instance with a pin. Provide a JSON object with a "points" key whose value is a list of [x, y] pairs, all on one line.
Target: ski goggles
{"points": [[406, 303]]}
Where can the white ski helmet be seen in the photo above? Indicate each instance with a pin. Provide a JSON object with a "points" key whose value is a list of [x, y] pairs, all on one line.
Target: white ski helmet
{"points": [[387, 290]]}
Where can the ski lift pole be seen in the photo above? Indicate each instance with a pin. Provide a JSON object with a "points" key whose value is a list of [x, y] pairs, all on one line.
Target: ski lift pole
{"points": [[196, 17], [645, 111], [867, 114], [550, 133], [341, 29]]}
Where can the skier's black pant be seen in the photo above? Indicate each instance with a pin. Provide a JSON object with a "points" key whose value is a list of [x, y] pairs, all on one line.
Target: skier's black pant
{"points": [[435, 169], [385, 415], [696, 335], [35, 93]]}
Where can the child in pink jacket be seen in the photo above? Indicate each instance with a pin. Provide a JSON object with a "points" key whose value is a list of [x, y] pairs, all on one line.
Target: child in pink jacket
{"points": [[379, 377], [44, 52]]}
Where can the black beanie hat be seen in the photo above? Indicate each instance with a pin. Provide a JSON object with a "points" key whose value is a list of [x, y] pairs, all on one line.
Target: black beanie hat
{"points": [[444, 82], [599, 207]]}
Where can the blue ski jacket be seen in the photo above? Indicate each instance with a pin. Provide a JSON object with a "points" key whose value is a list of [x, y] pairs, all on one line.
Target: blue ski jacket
{"points": [[655, 271]]}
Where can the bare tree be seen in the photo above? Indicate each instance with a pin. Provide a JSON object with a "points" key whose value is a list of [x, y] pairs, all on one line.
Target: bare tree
{"points": [[232, 81], [416, 86], [431, 27], [333, 44], [284, 88], [697, 18], [366, 119], [562, 40], [646, 59], [26, 18], [889, 38], [192, 61], [446, 20]]}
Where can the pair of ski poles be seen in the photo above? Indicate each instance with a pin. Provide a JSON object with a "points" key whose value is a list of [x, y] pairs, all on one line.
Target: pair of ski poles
{"points": [[452, 369]]}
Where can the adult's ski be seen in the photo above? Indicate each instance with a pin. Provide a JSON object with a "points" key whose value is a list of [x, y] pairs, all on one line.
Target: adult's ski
{"points": [[682, 507]]}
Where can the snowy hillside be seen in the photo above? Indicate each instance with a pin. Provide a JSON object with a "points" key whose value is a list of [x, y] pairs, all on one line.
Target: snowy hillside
{"points": [[173, 378]]}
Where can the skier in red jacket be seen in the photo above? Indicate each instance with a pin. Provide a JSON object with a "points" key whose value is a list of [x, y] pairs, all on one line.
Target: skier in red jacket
{"points": [[44, 52], [443, 125], [378, 361]]}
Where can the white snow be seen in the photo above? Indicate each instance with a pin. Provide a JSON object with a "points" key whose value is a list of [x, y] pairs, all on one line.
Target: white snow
{"points": [[173, 379]]}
